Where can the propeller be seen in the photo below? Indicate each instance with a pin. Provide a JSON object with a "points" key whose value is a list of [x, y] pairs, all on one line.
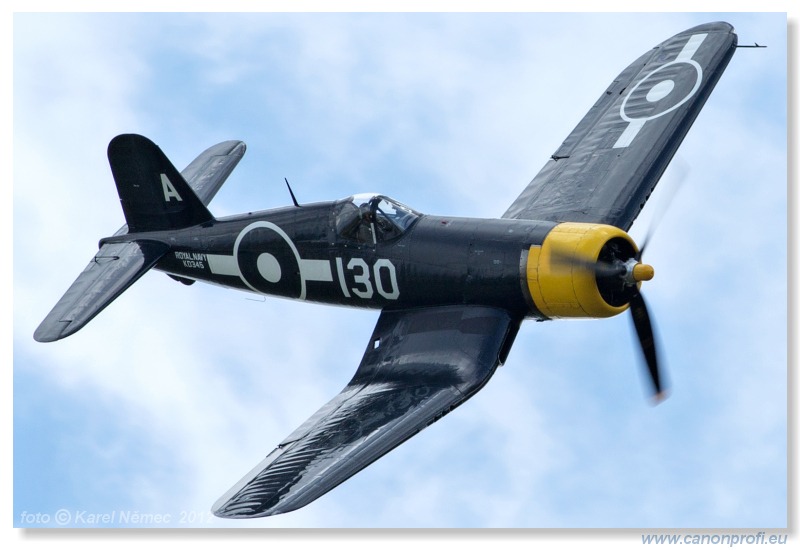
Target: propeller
{"points": [[637, 305], [647, 343], [642, 323], [619, 270], [632, 272], [620, 278]]}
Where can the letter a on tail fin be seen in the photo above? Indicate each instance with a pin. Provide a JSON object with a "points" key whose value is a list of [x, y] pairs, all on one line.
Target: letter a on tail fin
{"points": [[154, 195]]}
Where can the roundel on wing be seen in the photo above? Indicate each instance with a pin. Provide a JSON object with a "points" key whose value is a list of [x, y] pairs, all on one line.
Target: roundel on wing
{"points": [[662, 91], [268, 261]]}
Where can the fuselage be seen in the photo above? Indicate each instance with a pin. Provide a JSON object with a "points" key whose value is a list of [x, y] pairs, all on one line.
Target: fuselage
{"points": [[351, 254]]}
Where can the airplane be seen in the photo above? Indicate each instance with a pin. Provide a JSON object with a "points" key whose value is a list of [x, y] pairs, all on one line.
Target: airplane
{"points": [[452, 291]]}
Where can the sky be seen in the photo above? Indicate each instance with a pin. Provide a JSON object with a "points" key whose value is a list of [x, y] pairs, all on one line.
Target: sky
{"points": [[173, 393]]}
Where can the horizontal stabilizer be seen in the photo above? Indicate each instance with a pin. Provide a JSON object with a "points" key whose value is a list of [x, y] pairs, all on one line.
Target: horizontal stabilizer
{"points": [[115, 267], [206, 174]]}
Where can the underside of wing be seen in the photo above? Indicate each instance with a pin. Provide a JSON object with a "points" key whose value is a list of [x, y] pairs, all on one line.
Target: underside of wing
{"points": [[418, 366], [610, 163]]}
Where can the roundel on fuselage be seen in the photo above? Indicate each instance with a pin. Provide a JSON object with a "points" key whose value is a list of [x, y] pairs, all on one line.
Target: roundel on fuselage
{"points": [[268, 260]]}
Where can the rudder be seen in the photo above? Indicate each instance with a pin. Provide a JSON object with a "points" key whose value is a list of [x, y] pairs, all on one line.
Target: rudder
{"points": [[153, 194]]}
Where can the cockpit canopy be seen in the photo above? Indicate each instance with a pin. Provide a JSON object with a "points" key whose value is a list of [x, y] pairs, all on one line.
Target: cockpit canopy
{"points": [[371, 218]]}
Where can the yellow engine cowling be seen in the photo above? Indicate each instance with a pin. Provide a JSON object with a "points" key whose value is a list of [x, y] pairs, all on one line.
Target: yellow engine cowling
{"points": [[561, 272]]}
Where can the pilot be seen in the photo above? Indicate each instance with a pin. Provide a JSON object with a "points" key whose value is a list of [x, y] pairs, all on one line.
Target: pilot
{"points": [[366, 227]]}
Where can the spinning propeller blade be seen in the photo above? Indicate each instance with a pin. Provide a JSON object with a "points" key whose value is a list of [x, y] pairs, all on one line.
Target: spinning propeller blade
{"points": [[626, 275], [639, 313], [647, 343]]}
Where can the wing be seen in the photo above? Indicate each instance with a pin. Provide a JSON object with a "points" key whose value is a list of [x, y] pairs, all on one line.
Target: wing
{"points": [[418, 366], [610, 163]]}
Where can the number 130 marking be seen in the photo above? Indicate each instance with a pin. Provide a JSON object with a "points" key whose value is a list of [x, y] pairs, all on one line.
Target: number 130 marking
{"points": [[363, 277]]}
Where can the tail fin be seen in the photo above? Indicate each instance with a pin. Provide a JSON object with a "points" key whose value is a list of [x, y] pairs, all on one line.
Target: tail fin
{"points": [[153, 193]]}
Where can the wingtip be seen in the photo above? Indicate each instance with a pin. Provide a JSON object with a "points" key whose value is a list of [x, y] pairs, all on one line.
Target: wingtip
{"points": [[714, 26], [48, 332]]}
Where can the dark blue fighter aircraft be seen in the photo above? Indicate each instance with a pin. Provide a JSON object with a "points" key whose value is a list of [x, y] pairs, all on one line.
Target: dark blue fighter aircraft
{"points": [[452, 292]]}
